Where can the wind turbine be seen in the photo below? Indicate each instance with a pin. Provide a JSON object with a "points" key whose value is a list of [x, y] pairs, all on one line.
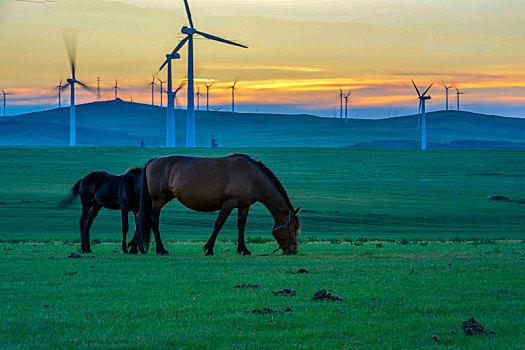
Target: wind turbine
{"points": [[208, 96], [340, 103], [422, 98], [233, 96], [346, 106], [98, 88], [457, 94], [71, 47], [198, 98], [446, 94], [190, 124], [60, 88], [5, 94], [116, 88], [152, 91], [161, 91]]}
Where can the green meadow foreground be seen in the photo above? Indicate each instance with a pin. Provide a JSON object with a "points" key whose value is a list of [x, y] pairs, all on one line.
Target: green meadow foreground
{"points": [[410, 240], [411, 296]]}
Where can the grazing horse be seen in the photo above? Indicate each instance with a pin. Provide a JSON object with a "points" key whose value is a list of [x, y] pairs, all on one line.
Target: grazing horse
{"points": [[211, 184], [100, 189]]}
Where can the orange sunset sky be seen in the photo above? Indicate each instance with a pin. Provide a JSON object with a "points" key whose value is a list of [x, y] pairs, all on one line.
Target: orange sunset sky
{"points": [[300, 52]]}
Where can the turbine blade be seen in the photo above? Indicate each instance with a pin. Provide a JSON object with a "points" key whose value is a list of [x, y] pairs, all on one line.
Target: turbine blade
{"points": [[188, 12], [175, 50], [65, 86], [427, 89], [416, 87], [70, 41], [88, 88], [216, 38]]}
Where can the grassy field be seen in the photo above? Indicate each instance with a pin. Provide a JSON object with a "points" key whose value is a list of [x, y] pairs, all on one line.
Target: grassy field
{"points": [[395, 296], [345, 193], [409, 239]]}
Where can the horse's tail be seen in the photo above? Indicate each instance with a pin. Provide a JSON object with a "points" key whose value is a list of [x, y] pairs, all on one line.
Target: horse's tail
{"points": [[74, 194], [144, 221]]}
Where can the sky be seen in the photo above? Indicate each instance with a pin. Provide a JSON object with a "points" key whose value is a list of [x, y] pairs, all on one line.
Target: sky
{"points": [[300, 53]]}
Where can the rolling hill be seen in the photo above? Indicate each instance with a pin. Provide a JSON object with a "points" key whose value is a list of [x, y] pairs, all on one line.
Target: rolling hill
{"points": [[119, 123]]}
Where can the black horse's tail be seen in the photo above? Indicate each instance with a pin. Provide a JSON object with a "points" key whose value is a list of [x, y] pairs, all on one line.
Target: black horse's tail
{"points": [[74, 194], [144, 221]]}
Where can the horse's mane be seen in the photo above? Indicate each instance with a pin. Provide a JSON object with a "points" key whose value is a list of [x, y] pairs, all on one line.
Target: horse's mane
{"points": [[270, 175]]}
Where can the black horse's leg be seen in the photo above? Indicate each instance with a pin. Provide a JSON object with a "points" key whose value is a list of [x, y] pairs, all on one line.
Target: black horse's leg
{"points": [[241, 225], [92, 214], [155, 227], [223, 215], [86, 206], [125, 228]]}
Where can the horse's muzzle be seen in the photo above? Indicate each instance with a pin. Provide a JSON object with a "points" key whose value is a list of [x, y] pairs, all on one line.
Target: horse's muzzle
{"points": [[290, 251]]}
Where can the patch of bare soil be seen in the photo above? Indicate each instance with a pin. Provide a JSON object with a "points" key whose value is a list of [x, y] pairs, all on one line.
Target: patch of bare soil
{"points": [[301, 270], [245, 285], [324, 295], [267, 310], [472, 327], [286, 292]]}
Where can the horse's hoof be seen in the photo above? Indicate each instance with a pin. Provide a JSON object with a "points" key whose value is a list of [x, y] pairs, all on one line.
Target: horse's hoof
{"points": [[209, 254], [163, 252], [247, 253], [133, 252], [125, 251]]}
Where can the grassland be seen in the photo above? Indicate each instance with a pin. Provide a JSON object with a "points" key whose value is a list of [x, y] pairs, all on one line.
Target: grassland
{"points": [[395, 297], [408, 239]]}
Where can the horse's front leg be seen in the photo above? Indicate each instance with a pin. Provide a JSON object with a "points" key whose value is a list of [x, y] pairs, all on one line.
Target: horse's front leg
{"points": [[125, 228], [241, 225], [226, 209], [155, 216]]}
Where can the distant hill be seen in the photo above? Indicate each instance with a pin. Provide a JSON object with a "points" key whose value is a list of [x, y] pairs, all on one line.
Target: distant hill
{"points": [[119, 123]]}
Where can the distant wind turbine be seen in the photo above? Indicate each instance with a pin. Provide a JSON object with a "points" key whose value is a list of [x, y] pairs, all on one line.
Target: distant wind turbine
{"points": [[233, 96], [5, 94], [208, 96], [60, 88], [199, 99], [98, 88], [71, 47], [446, 95], [457, 94], [190, 123], [153, 91], [161, 90], [422, 98], [116, 88], [346, 106], [340, 103]]}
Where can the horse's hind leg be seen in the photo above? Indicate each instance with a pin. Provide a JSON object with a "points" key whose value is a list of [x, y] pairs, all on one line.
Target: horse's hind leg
{"points": [[125, 228], [92, 214], [86, 206], [241, 225], [155, 216], [223, 215]]}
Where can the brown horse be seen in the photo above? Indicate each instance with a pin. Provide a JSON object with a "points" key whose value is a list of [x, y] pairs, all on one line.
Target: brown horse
{"points": [[100, 189], [211, 184]]}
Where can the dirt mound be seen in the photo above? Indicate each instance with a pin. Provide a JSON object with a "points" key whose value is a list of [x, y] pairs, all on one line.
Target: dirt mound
{"points": [[472, 327], [324, 295], [301, 270], [267, 310], [286, 292], [245, 285]]}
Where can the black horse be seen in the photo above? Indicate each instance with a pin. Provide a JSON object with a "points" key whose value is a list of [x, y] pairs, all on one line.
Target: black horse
{"points": [[100, 189]]}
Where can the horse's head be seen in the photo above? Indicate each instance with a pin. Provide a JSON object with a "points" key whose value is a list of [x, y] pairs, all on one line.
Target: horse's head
{"points": [[287, 233]]}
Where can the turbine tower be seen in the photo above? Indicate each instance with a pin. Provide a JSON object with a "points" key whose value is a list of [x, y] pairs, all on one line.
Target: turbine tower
{"points": [[446, 95], [98, 88], [5, 94], [346, 106], [198, 98], [233, 96], [457, 94], [116, 88], [190, 124], [161, 91], [422, 98], [340, 103], [208, 96], [71, 47], [170, 114], [153, 91], [60, 88]]}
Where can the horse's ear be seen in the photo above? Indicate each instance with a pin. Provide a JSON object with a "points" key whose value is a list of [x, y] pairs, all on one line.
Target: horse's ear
{"points": [[296, 212]]}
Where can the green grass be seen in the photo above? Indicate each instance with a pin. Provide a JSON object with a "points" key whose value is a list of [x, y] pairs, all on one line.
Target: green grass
{"points": [[346, 193], [397, 296]]}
